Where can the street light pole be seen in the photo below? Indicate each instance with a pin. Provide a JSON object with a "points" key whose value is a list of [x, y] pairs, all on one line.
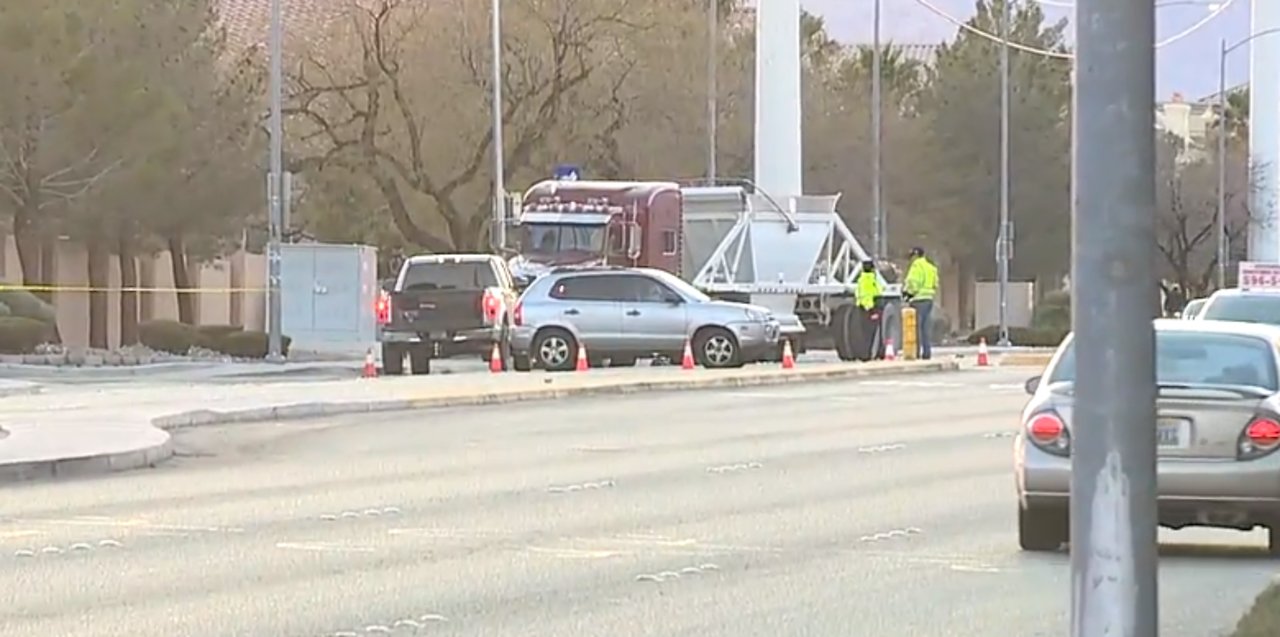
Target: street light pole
{"points": [[275, 188], [1113, 446], [1222, 164], [499, 170], [878, 240], [1223, 51], [1003, 247], [713, 63]]}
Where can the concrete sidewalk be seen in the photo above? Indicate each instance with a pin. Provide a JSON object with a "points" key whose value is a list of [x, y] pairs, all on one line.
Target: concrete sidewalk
{"points": [[68, 432]]}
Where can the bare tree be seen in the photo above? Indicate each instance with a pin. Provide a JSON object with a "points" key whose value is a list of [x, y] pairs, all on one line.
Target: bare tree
{"points": [[418, 130], [1187, 214]]}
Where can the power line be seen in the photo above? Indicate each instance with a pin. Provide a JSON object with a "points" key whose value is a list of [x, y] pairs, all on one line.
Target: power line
{"points": [[961, 24]]}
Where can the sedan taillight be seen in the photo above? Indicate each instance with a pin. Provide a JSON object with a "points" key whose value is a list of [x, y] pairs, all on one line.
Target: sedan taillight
{"points": [[1259, 438], [1047, 431]]}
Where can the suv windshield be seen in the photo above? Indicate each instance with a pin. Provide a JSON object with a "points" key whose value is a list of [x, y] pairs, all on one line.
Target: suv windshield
{"points": [[1245, 308], [1198, 358], [471, 275], [542, 238], [682, 287]]}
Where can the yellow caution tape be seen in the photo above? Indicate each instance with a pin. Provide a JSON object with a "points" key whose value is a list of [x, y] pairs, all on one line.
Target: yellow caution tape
{"points": [[85, 288]]}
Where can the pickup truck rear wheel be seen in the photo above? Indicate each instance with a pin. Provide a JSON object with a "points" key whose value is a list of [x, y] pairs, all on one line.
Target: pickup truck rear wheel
{"points": [[420, 360], [392, 359], [556, 350]]}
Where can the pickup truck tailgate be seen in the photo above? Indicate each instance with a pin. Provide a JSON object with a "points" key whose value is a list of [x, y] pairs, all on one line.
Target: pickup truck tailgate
{"points": [[437, 311]]}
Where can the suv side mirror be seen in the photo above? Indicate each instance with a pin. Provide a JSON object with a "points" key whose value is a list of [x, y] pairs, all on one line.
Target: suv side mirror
{"points": [[1032, 385]]}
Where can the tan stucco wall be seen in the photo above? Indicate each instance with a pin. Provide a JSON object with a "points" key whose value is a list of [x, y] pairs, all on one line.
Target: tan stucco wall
{"points": [[240, 271]]}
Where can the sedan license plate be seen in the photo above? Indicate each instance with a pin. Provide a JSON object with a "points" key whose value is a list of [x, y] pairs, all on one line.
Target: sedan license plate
{"points": [[1173, 433]]}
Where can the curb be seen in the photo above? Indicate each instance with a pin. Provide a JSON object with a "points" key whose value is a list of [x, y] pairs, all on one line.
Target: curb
{"points": [[86, 465], [1025, 360], [205, 417]]}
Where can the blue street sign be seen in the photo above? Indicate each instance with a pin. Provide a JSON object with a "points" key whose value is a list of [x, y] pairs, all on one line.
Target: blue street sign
{"points": [[566, 172]]}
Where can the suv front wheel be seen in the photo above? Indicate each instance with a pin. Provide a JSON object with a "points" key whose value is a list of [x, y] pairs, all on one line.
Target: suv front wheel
{"points": [[716, 347]]}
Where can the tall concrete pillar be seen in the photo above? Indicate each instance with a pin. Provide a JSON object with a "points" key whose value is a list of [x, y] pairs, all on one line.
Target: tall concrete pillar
{"points": [[779, 162], [1264, 132]]}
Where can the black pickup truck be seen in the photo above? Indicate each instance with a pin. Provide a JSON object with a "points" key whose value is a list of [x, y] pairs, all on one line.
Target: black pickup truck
{"points": [[446, 305]]}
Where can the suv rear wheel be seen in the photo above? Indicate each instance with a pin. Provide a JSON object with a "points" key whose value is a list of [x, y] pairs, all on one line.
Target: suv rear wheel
{"points": [[555, 350], [1043, 529]]}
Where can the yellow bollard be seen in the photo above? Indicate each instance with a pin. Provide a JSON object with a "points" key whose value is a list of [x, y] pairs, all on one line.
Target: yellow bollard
{"points": [[909, 343]]}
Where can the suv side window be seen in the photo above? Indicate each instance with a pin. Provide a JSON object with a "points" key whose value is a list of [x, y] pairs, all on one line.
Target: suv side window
{"points": [[588, 288], [642, 289]]}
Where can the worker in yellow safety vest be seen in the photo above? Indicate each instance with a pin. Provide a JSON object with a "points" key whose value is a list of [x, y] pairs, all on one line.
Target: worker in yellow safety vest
{"points": [[868, 297], [919, 290]]}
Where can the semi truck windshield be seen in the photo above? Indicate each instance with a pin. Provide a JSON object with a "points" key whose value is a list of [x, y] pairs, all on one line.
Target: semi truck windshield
{"points": [[539, 238]]}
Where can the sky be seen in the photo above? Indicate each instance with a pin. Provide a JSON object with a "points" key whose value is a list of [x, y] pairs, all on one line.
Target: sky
{"points": [[1188, 66]]}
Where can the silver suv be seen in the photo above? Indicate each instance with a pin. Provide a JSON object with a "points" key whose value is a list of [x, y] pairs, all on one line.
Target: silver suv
{"points": [[623, 314]]}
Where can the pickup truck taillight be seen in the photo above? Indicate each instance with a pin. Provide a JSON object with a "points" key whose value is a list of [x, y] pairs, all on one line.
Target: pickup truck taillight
{"points": [[382, 308], [517, 315], [491, 305]]}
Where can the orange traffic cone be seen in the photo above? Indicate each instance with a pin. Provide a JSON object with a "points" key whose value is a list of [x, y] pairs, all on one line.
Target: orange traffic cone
{"points": [[686, 362], [370, 368], [788, 357], [582, 359], [495, 360], [888, 350], [983, 359]]}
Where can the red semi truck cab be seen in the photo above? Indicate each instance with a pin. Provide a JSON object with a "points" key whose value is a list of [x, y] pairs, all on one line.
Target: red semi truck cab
{"points": [[631, 223]]}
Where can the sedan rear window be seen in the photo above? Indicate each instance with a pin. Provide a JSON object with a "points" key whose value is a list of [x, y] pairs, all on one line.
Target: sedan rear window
{"points": [[1245, 308], [1197, 358]]}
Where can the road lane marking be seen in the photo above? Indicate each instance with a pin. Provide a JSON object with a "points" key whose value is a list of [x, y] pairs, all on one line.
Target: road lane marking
{"points": [[323, 547], [572, 554]]}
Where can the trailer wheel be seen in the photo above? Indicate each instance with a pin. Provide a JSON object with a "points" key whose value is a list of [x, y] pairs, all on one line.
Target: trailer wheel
{"points": [[846, 332], [392, 359]]}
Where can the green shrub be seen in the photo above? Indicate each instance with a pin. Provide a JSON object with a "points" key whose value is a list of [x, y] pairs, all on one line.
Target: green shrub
{"points": [[1020, 336], [21, 335], [167, 336], [210, 336], [1263, 620], [243, 344], [27, 305], [1053, 312]]}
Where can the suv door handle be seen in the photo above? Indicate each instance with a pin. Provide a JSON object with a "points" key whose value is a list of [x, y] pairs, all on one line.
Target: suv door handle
{"points": [[572, 312], [633, 313]]}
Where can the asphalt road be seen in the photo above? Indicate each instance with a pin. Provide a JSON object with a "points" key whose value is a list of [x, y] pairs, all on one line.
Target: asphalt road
{"points": [[873, 508]]}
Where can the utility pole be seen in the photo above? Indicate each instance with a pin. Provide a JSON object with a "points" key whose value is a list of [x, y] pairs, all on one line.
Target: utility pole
{"points": [[713, 86], [878, 239], [499, 170], [1004, 243], [1114, 299], [275, 189]]}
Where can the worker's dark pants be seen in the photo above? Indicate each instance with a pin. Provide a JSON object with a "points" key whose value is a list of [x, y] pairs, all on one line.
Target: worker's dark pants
{"points": [[924, 310], [871, 336]]}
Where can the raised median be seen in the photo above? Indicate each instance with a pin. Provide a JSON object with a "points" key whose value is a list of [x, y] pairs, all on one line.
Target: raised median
{"points": [[78, 433]]}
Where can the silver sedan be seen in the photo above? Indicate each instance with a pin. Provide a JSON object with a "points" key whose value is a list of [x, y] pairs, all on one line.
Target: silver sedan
{"points": [[1217, 431]]}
